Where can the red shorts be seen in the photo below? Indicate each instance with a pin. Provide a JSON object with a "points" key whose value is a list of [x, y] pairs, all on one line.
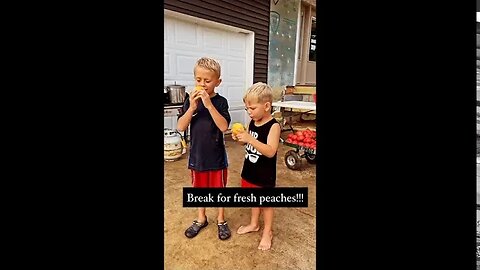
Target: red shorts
{"points": [[246, 184], [213, 179]]}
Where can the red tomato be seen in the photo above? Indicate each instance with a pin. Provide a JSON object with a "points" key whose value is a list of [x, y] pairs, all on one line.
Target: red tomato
{"points": [[300, 143], [299, 133], [300, 138], [314, 147], [308, 140], [307, 145], [295, 142], [289, 140], [294, 137], [290, 135]]}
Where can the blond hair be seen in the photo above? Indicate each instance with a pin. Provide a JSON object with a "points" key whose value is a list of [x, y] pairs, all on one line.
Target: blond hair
{"points": [[259, 92], [208, 63]]}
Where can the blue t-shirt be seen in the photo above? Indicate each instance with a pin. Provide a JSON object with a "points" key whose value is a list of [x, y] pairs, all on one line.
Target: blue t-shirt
{"points": [[207, 144]]}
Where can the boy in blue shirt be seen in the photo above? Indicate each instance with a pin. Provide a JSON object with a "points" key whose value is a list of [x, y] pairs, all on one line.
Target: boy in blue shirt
{"points": [[207, 114]]}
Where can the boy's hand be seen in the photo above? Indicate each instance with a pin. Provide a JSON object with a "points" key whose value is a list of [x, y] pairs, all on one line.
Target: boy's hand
{"points": [[194, 100], [244, 137], [205, 99]]}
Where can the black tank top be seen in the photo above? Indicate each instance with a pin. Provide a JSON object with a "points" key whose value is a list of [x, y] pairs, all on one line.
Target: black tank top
{"points": [[257, 168]]}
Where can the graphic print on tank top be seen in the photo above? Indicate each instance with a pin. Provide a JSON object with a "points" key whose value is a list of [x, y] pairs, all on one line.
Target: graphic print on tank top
{"points": [[251, 153]]}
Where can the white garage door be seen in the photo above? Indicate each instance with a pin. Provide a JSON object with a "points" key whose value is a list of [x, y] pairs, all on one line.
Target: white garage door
{"points": [[186, 40]]}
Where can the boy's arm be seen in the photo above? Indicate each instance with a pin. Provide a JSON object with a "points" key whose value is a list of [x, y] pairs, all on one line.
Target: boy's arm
{"points": [[221, 117], [219, 120], [269, 149], [184, 119]]}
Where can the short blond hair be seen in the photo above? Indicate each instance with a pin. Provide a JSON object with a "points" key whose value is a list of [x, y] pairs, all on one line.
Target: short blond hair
{"points": [[259, 92], [208, 63]]}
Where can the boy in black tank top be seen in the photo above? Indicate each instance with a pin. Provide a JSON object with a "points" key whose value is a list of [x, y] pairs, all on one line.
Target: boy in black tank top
{"points": [[259, 168]]}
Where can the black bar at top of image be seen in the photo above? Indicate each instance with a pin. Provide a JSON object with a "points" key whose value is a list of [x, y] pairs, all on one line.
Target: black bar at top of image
{"points": [[245, 197]]}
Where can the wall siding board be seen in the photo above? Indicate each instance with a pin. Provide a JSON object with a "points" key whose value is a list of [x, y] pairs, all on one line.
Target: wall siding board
{"points": [[253, 15], [261, 42], [247, 9], [245, 12], [261, 52], [260, 4], [262, 47]]}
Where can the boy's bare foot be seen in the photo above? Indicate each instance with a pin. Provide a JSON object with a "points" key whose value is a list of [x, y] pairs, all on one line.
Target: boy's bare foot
{"points": [[266, 241], [247, 228]]}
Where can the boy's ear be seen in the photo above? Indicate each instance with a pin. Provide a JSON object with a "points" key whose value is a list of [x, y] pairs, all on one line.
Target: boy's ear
{"points": [[219, 82], [267, 106]]}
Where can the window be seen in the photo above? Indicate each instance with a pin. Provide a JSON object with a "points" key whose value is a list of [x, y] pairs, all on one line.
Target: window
{"points": [[312, 56]]}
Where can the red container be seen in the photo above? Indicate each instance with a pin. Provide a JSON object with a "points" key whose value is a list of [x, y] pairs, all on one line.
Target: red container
{"points": [[315, 98]]}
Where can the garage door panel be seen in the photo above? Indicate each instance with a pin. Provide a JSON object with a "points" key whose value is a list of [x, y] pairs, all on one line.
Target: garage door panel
{"points": [[186, 34], [236, 41], [236, 69], [166, 64], [168, 29], [235, 93], [236, 45], [185, 64], [214, 40]]}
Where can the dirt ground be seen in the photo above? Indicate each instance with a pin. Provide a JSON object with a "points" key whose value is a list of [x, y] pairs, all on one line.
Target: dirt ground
{"points": [[294, 229]]}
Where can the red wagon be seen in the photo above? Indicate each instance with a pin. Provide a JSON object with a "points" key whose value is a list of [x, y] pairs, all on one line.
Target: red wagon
{"points": [[304, 147]]}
